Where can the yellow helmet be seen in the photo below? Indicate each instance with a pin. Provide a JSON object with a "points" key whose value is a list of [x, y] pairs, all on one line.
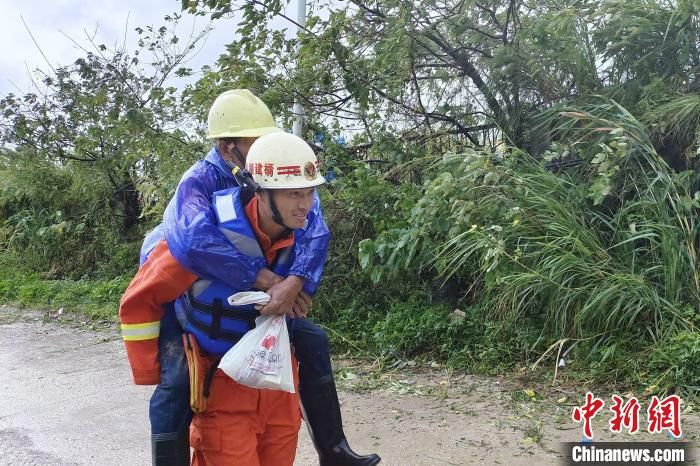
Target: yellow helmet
{"points": [[239, 113], [283, 161]]}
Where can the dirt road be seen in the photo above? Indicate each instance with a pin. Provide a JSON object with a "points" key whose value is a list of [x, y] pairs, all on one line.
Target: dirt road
{"points": [[66, 399]]}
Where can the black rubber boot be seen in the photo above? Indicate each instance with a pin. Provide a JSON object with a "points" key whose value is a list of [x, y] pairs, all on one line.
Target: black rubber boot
{"points": [[171, 449], [322, 414]]}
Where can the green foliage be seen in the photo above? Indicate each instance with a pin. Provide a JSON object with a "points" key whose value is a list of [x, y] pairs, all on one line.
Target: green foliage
{"points": [[413, 327], [630, 361], [97, 298], [406, 316], [643, 38], [92, 156], [401, 68], [676, 359], [359, 204], [541, 250], [65, 230]]}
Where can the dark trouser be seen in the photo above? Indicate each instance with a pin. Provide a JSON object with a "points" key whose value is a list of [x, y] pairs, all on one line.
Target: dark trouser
{"points": [[169, 409], [311, 350]]}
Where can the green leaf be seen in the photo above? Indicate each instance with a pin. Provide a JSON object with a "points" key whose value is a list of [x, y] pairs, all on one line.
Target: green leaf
{"points": [[366, 252]]}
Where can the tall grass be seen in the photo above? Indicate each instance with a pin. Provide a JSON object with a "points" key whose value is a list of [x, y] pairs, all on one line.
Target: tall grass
{"points": [[604, 251], [630, 263]]}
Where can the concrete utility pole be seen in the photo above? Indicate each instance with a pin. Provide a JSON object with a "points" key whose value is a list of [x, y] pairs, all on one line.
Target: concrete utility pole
{"points": [[298, 109]]}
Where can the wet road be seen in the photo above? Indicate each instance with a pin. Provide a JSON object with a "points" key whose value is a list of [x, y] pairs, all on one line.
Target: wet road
{"points": [[66, 397]]}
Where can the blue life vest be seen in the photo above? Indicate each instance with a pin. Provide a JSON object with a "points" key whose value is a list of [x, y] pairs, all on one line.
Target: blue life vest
{"points": [[204, 310]]}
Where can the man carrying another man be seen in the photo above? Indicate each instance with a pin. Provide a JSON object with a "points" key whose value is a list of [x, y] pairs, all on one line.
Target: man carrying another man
{"points": [[195, 240]]}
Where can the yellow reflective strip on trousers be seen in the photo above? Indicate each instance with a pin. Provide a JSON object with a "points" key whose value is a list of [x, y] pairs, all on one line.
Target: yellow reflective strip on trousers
{"points": [[137, 332]]}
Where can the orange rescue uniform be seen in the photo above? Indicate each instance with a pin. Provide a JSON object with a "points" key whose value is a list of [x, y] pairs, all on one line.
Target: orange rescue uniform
{"points": [[241, 426]]}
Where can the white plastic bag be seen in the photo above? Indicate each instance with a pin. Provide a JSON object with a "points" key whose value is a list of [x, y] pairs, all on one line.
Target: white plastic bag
{"points": [[262, 358], [249, 297]]}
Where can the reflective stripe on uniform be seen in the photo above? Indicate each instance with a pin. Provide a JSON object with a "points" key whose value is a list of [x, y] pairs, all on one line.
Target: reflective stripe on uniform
{"points": [[246, 245], [137, 332], [225, 208]]}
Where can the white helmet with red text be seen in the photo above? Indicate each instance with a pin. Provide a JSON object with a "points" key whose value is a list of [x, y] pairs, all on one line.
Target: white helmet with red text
{"points": [[283, 161]]}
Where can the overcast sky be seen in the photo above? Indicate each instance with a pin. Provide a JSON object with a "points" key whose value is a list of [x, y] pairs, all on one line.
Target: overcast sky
{"points": [[48, 20]]}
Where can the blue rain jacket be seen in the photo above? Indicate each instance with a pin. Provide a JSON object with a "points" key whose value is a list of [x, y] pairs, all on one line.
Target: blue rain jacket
{"points": [[204, 310], [195, 240]]}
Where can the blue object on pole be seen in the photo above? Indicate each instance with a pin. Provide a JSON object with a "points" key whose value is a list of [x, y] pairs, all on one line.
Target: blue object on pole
{"points": [[319, 138], [330, 175], [340, 140]]}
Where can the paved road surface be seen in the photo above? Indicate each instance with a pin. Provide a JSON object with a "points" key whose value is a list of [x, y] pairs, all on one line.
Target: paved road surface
{"points": [[66, 399]]}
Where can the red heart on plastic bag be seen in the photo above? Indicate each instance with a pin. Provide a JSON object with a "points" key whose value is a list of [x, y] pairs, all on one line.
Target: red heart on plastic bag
{"points": [[268, 342]]}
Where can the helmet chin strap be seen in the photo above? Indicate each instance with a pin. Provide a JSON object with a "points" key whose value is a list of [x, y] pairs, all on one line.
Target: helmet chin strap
{"points": [[248, 189], [239, 155], [276, 216]]}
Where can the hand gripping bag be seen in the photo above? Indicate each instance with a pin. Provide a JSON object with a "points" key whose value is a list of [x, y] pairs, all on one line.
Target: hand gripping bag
{"points": [[262, 358]]}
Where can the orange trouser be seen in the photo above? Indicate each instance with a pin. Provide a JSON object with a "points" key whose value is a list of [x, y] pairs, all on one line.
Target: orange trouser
{"points": [[244, 426]]}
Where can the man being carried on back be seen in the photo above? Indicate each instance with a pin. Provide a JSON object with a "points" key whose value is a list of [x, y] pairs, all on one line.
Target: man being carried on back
{"points": [[194, 240]]}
